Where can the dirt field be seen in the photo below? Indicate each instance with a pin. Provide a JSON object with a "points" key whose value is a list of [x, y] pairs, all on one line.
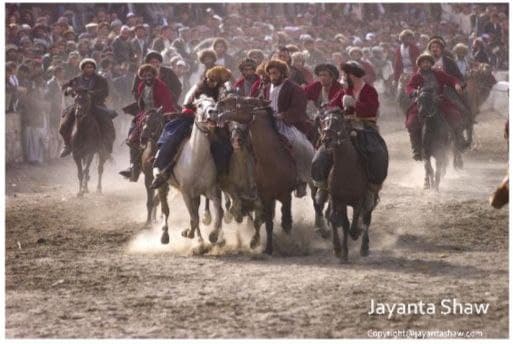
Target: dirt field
{"points": [[86, 268]]}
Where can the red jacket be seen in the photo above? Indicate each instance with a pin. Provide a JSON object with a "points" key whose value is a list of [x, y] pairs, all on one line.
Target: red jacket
{"points": [[253, 90], [442, 77], [313, 91], [162, 96], [366, 105], [398, 62]]}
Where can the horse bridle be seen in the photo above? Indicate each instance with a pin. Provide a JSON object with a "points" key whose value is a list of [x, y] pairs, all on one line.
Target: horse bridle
{"points": [[340, 135]]}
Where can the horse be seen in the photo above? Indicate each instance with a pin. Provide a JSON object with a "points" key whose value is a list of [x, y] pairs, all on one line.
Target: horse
{"points": [[275, 168], [239, 185], [348, 185], [479, 84], [500, 196], [86, 141], [194, 174], [436, 137], [152, 127]]}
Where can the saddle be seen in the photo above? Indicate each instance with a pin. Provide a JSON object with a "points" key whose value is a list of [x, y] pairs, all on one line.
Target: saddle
{"points": [[373, 151]]}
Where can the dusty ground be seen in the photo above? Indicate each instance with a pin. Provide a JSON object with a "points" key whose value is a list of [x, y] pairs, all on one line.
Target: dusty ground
{"points": [[86, 268]]}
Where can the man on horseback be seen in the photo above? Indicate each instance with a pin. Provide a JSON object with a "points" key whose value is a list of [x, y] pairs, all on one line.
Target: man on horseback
{"points": [[288, 100], [179, 127], [97, 86], [429, 77], [360, 103], [250, 81], [321, 92], [404, 65], [151, 93]]}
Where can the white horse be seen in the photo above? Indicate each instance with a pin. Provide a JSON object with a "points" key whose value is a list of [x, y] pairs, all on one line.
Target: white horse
{"points": [[194, 174]]}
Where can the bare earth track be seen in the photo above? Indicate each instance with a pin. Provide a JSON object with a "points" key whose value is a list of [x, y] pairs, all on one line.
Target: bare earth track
{"points": [[85, 268]]}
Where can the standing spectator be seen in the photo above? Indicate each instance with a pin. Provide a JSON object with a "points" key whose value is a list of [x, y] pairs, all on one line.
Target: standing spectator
{"points": [[121, 46], [462, 60], [164, 40], [297, 70], [139, 43], [220, 46]]}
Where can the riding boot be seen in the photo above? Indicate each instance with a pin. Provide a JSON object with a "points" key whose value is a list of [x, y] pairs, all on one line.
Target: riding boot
{"points": [[460, 141], [162, 177], [416, 145], [133, 172], [65, 130]]}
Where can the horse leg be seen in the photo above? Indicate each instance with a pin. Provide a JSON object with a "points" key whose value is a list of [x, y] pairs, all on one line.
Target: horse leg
{"points": [[89, 160], [207, 217], [357, 223], [80, 174], [156, 201], [268, 218], [286, 215], [163, 191], [228, 216], [192, 204], [335, 238], [148, 179], [364, 249], [428, 179], [217, 235], [257, 223], [101, 162], [338, 217], [320, 225]]}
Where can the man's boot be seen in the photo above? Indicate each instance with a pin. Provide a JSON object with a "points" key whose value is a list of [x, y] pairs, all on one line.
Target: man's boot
{"points": [[66, 150], [133, 172], [416, 146], [161, 178]]}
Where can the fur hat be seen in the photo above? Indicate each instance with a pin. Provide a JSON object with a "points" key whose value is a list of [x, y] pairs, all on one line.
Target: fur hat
{"points": [[205, 53], [406, 32], [460, 48], [247, 62], [328, 68], [355, 50], [86, 61], [425, 56], [278, 64], [152, 54], [354, 68], [219, 73], [145, 67], [436, 39]]}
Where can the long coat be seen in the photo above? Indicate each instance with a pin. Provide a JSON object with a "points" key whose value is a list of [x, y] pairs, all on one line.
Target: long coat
{"points": [[398, 61], [313, 91], [292, 105], [366, 105], [253, 90]]}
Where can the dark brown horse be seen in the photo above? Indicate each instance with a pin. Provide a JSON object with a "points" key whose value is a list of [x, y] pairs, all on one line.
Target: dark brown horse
{"points": [[275, 169], [152, 128], [348, 185], [86, 141]]}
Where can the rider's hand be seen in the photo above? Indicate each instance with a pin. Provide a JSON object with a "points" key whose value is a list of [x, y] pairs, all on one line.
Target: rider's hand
{"points": [[458, 88], [279, 115], [347, 101]]}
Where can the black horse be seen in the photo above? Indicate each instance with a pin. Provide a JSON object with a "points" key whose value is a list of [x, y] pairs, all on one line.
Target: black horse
{"points": [[436, 136]]}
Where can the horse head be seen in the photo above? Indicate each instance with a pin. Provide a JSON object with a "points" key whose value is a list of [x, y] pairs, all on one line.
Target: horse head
{"points": [[239, 109], [83, 103], [206, 113], [238, 134], [153, 123], [427, 102], [334, 129]]}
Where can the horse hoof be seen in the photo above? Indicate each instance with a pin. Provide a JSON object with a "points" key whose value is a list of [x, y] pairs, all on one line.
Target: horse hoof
{"points": [[213, 236], [268, 251], [364, 252], [190, 234], [185, 233], [254, 242], [322, 232], [221, 243], [207, 219], [287, 227], [164, 239]]}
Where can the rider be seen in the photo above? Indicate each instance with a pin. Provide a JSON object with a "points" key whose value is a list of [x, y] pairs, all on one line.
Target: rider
{"points": [[321, 92], [97, 85], [404, 65], [176, 130], [165, 74], [430, 77], [250, 80], [288, 100], [151, 92], [360, 101]]}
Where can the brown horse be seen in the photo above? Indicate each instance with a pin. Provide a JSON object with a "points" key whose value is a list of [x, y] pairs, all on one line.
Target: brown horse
{"points": [[86, 141], [479, 84], [501, 195], [153, 124], [275, 169], [347, 184]]}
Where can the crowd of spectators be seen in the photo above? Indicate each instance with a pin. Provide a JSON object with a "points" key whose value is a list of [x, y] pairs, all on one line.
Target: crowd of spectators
{"points": [[46, 42]]}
